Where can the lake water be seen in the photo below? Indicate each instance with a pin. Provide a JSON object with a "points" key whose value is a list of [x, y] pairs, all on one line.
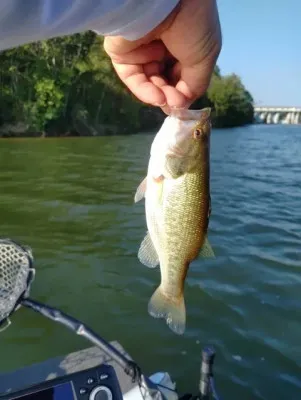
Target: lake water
{"points": [[71, 200]]}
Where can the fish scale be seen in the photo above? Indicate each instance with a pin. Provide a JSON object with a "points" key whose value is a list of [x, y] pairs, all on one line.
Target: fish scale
{"points": [[177, 204]]}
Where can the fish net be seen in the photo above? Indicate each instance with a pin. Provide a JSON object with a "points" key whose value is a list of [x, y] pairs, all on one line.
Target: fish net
{"points": [[16, 274]]}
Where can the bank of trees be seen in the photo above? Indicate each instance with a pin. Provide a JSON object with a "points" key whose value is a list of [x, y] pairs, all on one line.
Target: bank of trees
{"points": [[232, 104], [67, 86]]}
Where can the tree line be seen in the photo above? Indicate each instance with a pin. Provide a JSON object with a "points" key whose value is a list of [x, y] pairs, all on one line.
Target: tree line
{"points": [[67, 86]]}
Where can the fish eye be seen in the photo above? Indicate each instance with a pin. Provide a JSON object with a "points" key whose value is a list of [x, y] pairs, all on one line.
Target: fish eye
{"points": [[197, 133]]}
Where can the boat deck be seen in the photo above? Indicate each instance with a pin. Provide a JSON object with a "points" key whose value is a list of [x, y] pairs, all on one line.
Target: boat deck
{"points": [[63, 365]]}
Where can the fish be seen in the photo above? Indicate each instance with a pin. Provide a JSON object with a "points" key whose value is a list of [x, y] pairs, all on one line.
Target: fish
{"points": [[177, 197]]}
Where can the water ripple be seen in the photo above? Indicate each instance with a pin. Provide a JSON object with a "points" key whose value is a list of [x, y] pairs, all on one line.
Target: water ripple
{"points": [[72, 201]]}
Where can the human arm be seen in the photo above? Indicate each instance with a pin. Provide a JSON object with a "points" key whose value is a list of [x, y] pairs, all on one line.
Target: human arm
{"points": [[164, 51], [172, 65], [25, 21]]}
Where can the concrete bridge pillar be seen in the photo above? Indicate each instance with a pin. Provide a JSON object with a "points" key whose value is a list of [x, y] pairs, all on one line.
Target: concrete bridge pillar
{"points": [[276, 115], [276, 118]]}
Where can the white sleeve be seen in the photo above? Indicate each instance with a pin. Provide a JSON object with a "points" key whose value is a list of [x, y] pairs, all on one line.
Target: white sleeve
{"points": [[25, 21]]}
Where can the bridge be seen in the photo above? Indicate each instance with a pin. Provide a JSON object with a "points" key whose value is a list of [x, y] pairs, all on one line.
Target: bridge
{"points": [[277, 115]]}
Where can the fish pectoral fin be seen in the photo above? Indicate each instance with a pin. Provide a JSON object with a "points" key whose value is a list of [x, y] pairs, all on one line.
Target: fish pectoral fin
{"points": [[140, 192], [172, 310], [175, 166], [147, 253], [206, 250]]}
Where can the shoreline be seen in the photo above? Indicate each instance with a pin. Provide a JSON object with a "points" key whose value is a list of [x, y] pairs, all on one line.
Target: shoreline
{"points": [[12, 132]]}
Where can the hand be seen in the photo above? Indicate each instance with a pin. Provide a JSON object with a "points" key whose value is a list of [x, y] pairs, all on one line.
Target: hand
{"points": [[172, 65]]}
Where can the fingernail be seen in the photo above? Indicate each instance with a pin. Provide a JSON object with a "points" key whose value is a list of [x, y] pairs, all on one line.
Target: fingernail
{"points": [[176, 108], [166, 109], [160, 105], [184, 107]]}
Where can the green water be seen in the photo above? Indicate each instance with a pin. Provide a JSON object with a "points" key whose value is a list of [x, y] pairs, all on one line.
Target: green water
{"points": [[71, 200]]}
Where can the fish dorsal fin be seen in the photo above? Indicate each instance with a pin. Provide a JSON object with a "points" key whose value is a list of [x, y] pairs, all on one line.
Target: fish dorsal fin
{"points": [[206, 250], [140, 192], [147, 253]]}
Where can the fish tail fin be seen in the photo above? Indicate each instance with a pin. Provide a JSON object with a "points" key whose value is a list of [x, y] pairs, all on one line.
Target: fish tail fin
{"points": [[172, 310]]}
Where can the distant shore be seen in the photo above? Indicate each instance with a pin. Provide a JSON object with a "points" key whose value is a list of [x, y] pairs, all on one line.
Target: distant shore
{"points": [[19, 131], [67, 87]]}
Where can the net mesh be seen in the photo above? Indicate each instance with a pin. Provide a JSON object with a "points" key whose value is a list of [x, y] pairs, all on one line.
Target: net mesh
{"points": [[15, 267]]}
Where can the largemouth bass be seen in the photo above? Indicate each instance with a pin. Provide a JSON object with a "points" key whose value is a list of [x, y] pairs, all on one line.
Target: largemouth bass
{"points": [[177, 208]]}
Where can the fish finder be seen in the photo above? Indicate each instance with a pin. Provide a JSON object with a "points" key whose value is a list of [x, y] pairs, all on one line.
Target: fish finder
{"points": [[97, 383]]}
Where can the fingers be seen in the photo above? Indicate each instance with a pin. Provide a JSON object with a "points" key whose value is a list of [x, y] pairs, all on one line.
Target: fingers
{"points": [[175, 70], [141, 70], [154, 51], [197, 51], [146, 83], [135, 65], [195, 79], [134, 77]]}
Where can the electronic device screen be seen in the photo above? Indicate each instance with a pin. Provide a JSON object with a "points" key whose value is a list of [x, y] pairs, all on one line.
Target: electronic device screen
{"points": [[63, 391]]}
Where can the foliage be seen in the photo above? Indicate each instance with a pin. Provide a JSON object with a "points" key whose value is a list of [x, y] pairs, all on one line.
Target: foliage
{"points": [[68, 85], [232, 104]]}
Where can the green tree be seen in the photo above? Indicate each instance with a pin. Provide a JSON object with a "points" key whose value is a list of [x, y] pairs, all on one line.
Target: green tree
{"points": [[232, 103], [68, 85]]}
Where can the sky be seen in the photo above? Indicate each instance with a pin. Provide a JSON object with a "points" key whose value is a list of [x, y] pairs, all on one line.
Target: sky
{"points": [[262, 44]]}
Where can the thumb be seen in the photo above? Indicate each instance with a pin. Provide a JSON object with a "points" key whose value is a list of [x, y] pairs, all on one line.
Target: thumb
{"points": [[196, 53], [194, 80]]}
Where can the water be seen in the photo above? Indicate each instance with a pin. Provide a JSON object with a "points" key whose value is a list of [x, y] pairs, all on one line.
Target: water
{"points": [[71, 200]]}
